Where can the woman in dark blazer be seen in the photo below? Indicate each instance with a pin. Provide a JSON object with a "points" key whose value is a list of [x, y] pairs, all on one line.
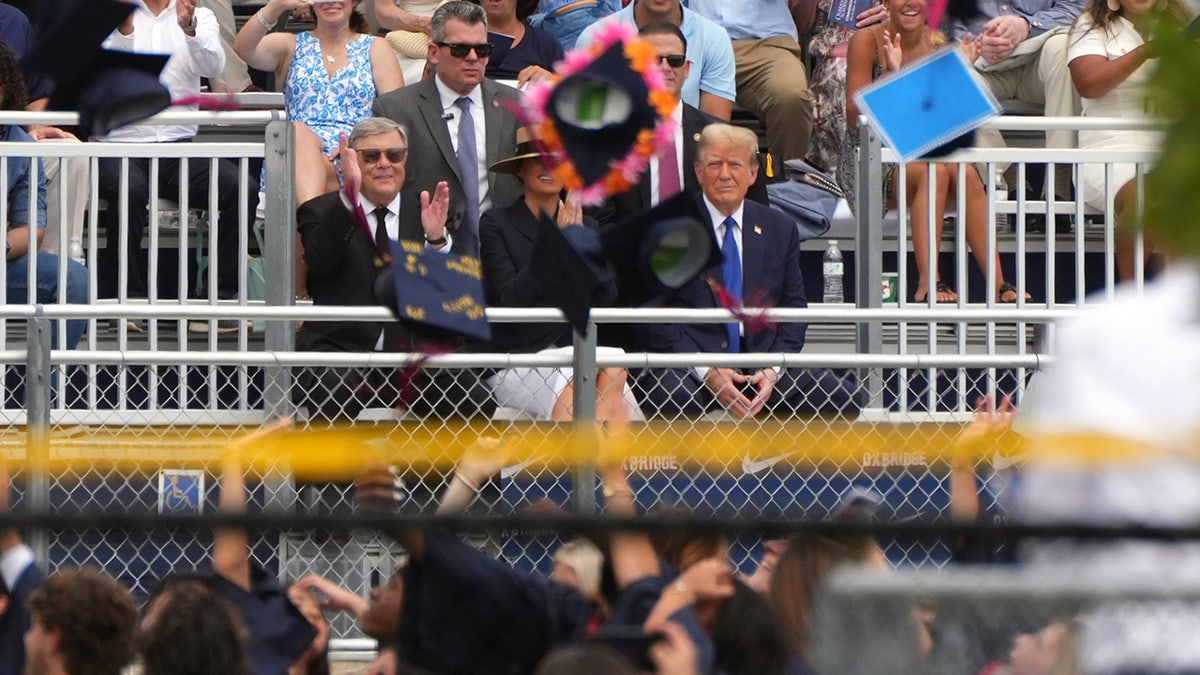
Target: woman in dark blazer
{"points": [[507, 237]]}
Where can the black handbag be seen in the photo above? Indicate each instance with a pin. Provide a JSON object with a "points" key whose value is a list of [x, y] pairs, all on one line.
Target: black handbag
{"points": [[809, 196]]}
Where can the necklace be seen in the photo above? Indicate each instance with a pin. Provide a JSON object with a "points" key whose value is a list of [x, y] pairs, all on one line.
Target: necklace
{"points": [[330, 58]]}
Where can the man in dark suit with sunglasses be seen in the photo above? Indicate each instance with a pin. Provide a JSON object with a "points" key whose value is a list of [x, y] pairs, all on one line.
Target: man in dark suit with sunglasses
{"points": [[459, 122], [346, 237]]}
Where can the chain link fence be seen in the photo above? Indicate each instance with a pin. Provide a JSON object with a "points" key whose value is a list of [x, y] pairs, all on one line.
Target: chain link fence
{"points": [[156, 451]]}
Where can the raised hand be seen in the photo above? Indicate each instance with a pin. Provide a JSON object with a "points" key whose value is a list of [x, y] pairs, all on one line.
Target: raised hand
{"points": [[435, 210], [351, 173], [185, 14], [336, 598]]}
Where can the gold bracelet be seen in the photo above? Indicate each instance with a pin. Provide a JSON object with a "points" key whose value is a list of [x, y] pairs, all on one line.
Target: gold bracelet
{"points": [[263, 22]]}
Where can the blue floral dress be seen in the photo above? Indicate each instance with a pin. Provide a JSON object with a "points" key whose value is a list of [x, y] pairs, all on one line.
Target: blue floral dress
{"points": [[328, 105]]}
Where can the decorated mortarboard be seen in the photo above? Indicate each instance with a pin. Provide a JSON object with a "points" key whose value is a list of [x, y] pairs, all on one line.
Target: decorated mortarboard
{"points": [[601, 121], [570, 270], [439, 291], [930, 108], [108, 88], [661, 250]]}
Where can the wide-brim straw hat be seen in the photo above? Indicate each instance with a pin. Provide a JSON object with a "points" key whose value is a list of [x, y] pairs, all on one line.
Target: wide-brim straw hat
{"points": [[527, 147]]}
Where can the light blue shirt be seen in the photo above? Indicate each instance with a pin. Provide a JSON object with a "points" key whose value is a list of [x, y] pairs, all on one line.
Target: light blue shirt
{"points": [[746, 20], [1042, 15], [708, 48]]}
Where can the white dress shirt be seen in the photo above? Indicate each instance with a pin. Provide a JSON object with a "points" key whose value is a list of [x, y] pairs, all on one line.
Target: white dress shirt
{"points": [[191, 59], [452, 115], [677, 118], [391, 220]]}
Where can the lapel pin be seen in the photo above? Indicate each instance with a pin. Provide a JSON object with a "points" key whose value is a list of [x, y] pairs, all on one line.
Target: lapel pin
{"points": [[757, 230]]}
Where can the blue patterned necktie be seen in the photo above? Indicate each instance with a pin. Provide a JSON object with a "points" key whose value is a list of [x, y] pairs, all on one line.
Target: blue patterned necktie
{"points": [[468, 167], [731, 276]]}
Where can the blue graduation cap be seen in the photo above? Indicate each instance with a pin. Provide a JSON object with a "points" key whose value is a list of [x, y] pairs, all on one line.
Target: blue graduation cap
{"points": [[930, 107], [109, 88], [438, 290]]}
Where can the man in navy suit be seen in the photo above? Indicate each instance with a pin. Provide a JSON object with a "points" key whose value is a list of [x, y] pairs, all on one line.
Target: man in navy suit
{"points": [[761, 248]]}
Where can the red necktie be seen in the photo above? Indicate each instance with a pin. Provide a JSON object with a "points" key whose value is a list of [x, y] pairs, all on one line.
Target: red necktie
{"points": [[668, 170]]}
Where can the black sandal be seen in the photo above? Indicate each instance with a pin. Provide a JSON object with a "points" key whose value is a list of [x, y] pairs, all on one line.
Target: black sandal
{"points": [[942, 287], [1005, 288]]}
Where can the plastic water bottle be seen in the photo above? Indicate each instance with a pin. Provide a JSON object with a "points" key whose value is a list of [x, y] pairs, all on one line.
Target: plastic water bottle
{"points": [[833, 269]]}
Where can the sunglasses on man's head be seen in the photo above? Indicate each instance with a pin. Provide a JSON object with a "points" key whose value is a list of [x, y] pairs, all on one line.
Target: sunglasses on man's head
{"points": [[673, 60], [460, 50], [372, 155]]}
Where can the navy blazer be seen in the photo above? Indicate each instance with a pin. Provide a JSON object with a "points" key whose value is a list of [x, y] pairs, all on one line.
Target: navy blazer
{"points": [[507, 237], [770, 276], [16, 621], [431, 155]]}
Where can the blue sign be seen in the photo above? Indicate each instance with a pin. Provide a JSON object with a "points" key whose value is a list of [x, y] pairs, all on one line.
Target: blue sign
{"points": [[927, 104], [180, 491]]}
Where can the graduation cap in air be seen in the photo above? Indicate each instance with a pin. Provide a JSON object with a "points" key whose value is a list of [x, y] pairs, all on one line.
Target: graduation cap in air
{"points": [[442, 293], [108, 88], [570, 271], [661, 250], [930, 108], [600, 111], [600, 121]]}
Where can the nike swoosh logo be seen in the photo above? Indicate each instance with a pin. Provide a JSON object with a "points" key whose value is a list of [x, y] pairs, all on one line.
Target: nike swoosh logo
{"points": [[760, 465]]}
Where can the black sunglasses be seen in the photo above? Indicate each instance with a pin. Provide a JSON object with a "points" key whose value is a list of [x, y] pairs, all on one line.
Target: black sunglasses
{"points": [[673, 60], [372, 155], [460, 50]]}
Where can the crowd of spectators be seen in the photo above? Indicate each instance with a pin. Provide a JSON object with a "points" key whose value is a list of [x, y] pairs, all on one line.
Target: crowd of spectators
{"points": [[456, 125], [669, 602]]}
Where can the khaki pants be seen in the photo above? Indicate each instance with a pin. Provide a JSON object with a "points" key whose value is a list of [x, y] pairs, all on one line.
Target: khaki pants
{"points": [[1045, 80], [772, 84], [235, 78]]}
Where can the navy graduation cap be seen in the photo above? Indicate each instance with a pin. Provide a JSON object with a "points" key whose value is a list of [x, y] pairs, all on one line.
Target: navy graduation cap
{"points": [[930, 108], [570, 270], [109, 88], [661, 250], [443, 291]]}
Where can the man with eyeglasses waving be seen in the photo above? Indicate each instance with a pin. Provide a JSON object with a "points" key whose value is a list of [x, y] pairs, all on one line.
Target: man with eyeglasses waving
{"points": [[459, 123], [344, 259]]}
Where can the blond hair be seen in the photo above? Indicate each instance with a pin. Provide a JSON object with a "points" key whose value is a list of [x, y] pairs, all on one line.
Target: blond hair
{"points": [[720, 134]]}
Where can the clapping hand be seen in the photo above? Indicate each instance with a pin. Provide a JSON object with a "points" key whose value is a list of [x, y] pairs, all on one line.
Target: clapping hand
{"points": [[893, 54], [435, 210]]}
